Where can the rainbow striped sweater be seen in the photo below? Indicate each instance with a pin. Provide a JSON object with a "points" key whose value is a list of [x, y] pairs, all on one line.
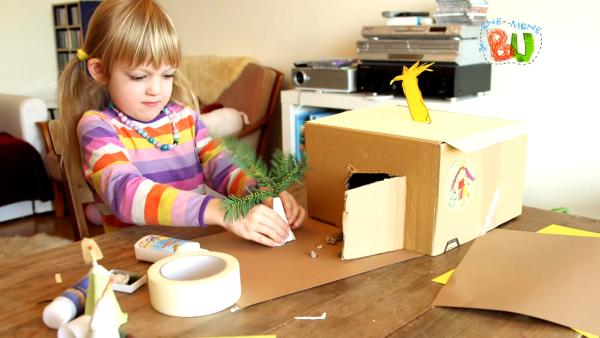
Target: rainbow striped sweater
{"points": [[139, 184]]}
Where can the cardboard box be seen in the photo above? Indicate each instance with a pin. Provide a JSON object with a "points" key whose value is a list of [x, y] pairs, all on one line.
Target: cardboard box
{"points": [[464, 173]]}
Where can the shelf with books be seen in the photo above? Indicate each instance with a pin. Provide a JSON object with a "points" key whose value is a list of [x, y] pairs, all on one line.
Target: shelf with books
{"points": [[70, 26], [303, 115]]}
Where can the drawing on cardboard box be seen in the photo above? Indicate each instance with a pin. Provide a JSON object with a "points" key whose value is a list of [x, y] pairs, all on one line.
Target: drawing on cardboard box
{"points": [[460, 183]]}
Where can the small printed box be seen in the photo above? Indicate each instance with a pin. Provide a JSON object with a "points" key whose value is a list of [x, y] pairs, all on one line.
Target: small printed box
{"points": [[127, 281]]}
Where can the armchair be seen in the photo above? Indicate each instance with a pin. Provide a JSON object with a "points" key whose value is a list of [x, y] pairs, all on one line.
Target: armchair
{"points": [[239, 83], [18, 117]]}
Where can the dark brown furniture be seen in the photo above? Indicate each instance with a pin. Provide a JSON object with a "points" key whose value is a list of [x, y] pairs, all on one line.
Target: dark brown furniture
{"points": [[392, 301]]}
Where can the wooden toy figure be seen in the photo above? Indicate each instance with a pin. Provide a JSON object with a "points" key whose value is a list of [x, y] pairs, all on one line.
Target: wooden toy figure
{"points": [[101, 302], [410, 87]]}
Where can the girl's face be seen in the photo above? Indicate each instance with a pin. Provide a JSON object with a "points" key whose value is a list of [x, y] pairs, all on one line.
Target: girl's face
{"points": [[141, 92]]}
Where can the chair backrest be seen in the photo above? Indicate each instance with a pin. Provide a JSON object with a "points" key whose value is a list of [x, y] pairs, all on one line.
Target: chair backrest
{"points": [[240, 83], [255, 92], [76, 189]]}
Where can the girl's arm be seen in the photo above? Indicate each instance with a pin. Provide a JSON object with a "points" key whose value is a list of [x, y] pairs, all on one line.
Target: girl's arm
{"points": [[220, 173], [131, 197]]}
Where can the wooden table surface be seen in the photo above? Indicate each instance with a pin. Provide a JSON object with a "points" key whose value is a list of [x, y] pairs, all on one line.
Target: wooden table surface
{"points": [[392, 301]]}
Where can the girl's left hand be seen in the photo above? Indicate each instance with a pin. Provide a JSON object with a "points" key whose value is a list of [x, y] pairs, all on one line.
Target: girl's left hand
{"points": [[294, 212]]}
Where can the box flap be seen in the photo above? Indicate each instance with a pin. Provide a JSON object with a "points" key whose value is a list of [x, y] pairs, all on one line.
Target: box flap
{"points": [[487, 138], [373, 219], [465, 132]]}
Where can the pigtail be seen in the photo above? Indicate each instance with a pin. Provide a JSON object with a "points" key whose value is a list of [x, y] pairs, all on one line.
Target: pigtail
{"points": [[77, 93], [182, 93]]}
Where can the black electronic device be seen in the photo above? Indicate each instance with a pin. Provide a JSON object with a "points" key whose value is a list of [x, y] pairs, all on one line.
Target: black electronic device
{"points": [[446, 81]]}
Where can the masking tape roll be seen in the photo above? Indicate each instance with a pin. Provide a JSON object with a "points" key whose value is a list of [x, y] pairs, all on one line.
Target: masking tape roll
{"points": [[194, 284]]}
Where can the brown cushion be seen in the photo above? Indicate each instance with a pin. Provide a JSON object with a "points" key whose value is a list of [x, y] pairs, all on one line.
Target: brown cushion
{"points": [[251, 92]]}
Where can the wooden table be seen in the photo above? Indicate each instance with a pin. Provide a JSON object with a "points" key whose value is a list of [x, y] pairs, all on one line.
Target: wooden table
{"points": [[392, 301]]}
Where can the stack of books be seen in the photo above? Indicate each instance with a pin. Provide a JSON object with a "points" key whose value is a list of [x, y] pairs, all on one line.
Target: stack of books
{"points": [[469, 12]]}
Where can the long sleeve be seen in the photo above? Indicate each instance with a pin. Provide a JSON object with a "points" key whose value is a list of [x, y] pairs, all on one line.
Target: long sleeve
{"points": [[221, 174], [138, 183]]}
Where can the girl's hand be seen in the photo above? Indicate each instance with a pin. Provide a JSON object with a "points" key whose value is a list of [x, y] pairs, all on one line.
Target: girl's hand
{"points": [[294, 213], [261, 225]]}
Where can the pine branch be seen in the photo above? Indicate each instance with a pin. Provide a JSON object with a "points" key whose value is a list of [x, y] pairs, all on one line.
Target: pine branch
{"points": [[285, 169], [238, 207], [245, 158]]}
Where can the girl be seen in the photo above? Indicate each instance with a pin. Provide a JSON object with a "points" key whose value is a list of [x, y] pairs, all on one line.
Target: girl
{"points": [[144, 150]]}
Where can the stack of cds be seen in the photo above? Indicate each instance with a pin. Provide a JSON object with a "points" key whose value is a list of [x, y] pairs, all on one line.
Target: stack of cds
{"points": [[459, 70], [454, 43], [470, 12]]}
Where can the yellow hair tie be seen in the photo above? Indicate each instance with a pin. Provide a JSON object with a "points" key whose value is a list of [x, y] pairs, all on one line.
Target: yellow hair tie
{"points": [[82, 55]]}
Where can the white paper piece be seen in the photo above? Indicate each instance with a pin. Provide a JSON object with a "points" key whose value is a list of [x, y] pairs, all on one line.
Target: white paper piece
{"points": [[321, 317], [278, 208]]}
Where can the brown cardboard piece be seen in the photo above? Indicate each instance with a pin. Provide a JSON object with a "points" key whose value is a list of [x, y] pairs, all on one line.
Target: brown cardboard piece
{"points": [[268, 273], [464, 173], [551, 277], [373, 220]]}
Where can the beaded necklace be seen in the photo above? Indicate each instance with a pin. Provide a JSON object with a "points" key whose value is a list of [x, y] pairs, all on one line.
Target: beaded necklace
{"points": [[161, 146]]}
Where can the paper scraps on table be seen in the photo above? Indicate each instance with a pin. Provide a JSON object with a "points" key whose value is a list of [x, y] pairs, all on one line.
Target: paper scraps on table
{"points": [[321, 317]]}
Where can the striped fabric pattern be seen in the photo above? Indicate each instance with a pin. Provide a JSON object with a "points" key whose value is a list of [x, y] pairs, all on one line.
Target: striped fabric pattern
{"points": [[139, 184]]}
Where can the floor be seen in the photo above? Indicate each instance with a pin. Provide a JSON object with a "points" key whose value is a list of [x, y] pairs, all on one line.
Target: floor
{"points": [[43, 223]]}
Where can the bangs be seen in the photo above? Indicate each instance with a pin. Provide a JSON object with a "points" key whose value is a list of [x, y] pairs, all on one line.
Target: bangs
{"points": [[146, 37]]}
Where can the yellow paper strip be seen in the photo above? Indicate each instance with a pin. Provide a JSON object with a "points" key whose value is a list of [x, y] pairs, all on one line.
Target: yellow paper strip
{"points": [[585, 334], [443, 279], [555, 229]]}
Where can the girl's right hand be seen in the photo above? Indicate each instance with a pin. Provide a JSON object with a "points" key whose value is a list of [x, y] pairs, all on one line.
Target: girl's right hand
{"points": [[262, 225]]}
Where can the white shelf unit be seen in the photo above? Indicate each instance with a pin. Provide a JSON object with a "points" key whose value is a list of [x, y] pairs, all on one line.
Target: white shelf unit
{"points": [[295, 101]]}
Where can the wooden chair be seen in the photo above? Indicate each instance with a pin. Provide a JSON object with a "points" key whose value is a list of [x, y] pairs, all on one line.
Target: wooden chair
{"points": [[53, 169], [74, 184]]}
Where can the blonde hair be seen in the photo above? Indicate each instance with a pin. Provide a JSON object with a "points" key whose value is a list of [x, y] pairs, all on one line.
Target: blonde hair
{"points": [[135, 31]]}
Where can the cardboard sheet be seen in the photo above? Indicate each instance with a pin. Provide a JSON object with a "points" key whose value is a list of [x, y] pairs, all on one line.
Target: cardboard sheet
{"points": [[555, 278], [268, 273]]}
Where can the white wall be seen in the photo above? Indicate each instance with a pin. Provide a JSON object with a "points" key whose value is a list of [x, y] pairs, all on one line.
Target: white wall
{"points": [[554, 95], [27, 61]]}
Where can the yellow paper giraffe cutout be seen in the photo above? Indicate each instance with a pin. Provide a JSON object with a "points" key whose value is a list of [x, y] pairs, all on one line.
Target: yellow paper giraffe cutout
{"points": [[410, 87]]}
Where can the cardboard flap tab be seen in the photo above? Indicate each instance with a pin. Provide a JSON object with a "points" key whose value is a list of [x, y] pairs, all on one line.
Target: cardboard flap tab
{"points": [[373, 219], [484, 139]]}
